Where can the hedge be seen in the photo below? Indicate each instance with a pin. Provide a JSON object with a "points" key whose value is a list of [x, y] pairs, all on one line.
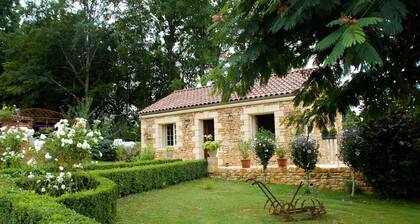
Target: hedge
{"points": [[99, 166], [99, 203], [113, 165], [144, 178], [18, 206], [96, 205]]}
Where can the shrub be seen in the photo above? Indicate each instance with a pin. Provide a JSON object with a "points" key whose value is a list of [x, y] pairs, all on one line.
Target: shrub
{"points": [[19, 206], [120, 153], [245, 148], [99, 203], [73, 144], [265, 144], [55, 184], [304, 152], [389, 152], [107, 151], [147, 153], [14, 145], [349, 152], [105, 166], [140, 179]]}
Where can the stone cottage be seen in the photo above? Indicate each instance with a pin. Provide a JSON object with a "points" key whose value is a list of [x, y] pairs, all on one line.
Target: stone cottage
{"points": [[185, 117]]}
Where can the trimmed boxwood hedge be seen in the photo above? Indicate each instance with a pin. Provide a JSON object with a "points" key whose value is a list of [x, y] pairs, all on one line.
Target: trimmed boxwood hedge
{"points": [[18, 206], [144, 178], [96, 205], [105, 166], [99, 166], [99, 203]]}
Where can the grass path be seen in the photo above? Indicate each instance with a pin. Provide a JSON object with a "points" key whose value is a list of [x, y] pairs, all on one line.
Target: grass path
{"points": [[239, 202]]}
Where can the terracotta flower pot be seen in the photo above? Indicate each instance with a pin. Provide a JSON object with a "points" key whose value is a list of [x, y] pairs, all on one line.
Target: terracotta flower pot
{"points": [[282, 162], [246, 163]]}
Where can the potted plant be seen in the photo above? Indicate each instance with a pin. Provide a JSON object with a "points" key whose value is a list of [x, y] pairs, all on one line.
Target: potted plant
{"points": [[169, 151], [281, 153], [245, 148], [211, 146]]}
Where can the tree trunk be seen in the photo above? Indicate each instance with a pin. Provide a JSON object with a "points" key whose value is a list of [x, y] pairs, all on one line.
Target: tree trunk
{"points": [[353, 184]]}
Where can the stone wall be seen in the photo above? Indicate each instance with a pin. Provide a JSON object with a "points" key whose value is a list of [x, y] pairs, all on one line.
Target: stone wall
{"points": [[321, 178], [233, 122]]}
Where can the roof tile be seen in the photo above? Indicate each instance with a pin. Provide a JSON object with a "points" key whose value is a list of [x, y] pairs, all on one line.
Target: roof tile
{"points": [[201, 96]]}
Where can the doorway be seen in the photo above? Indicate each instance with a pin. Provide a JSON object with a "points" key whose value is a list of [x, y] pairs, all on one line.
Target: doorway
{"points": [[208, 133]]}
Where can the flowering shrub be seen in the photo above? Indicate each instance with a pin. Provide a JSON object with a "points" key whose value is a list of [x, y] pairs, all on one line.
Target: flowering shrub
{"points": [[350, 148], [304, 152], [265, 145], [53, 184], [14, 143], [71, 145]]}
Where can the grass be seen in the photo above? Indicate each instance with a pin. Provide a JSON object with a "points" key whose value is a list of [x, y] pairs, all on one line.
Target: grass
{"points": [[219, 201]]}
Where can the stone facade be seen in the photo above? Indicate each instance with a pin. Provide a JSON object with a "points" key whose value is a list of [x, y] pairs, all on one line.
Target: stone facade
{"points": [[232, 122], [321, 178]]}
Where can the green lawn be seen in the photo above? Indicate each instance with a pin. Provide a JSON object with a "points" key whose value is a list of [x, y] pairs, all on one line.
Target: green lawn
{"points": [[239, 202]]}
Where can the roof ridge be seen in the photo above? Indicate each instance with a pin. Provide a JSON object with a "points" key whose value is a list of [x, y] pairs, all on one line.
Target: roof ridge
{"points": [[193, 88]]}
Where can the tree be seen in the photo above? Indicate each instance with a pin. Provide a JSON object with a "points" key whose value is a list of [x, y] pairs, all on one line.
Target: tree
{"points": [[181, 46], [373, 42], [57, 57]]}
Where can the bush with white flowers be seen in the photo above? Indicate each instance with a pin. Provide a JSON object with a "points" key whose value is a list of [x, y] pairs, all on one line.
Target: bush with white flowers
{"points": [[14, 142], [304, 152], [265, 145], [53, 184], [71, 145]]}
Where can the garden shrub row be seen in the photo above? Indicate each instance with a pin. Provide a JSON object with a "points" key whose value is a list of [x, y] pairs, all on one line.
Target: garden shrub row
{"points": [[144, 178], [96, 205], [99, 203], [18, 206], [112, 165]]}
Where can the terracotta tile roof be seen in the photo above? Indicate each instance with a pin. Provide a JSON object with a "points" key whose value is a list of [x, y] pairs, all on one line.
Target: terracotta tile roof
{"points": [[202, 96]]}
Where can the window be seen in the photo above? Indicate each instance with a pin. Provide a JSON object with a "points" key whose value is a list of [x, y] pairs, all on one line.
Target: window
{"points": [[169, 132]]}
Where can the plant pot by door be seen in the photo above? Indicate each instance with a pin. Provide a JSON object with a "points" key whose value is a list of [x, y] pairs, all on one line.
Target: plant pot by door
{"points": [[282, 162], [246, 163]]}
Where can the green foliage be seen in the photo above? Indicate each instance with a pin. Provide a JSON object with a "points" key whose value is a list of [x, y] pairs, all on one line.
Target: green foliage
{"points": [[105, 166], [211, 145], [99, 203], [245, 148], [18, 206], [350, 148], [389, 148], [83, 109], [5, 112], [145, 178], [281, 151], [147, 153], [304, 152], [264, 146], [108, 152], [367, 43], [120, 153]]}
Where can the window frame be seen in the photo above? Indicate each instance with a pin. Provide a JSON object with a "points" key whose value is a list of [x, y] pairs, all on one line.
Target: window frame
{"points": [[169, 136]]}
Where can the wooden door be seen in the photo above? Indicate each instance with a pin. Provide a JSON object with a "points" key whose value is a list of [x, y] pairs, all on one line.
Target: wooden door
{"points": [[208, 133]]}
